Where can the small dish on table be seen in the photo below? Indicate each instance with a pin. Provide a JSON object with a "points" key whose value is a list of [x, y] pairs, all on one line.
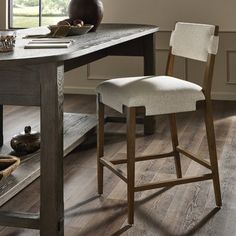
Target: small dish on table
{"points": [[68, 30]]}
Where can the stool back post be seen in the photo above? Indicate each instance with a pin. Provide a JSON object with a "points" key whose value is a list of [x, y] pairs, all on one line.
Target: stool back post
{"points": [[170, 63], [209, 122], [208, 76]]}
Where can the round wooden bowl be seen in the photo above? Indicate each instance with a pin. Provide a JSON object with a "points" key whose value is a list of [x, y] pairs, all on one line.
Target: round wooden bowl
{"points": [[7, 165]]}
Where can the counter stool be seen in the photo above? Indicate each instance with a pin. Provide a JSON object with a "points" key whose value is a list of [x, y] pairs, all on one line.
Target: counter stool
{"points": [[163, 95]]}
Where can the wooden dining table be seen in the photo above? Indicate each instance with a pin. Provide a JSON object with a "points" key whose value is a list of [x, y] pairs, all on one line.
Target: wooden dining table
{"points": [[35, 77]]}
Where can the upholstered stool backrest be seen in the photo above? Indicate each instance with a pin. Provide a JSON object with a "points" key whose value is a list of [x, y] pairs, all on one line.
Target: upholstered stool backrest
{"points": [[194, 41]]}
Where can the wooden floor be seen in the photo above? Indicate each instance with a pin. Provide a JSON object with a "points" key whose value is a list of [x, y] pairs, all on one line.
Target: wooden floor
{"points": [[181, 210]]}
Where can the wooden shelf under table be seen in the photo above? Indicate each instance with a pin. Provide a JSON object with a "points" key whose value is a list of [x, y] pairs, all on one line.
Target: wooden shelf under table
{"points": [[76, 128]]}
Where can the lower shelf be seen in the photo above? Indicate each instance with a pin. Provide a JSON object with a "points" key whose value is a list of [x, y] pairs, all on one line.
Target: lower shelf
{"points": [[76, 128]]}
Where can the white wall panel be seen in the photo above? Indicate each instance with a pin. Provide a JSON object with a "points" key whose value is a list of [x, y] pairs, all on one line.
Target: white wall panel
{"points": [[166, 12]]}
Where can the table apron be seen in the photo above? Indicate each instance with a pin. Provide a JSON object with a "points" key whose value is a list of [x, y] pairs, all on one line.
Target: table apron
{"points": [[20, 86], [135, 47]]}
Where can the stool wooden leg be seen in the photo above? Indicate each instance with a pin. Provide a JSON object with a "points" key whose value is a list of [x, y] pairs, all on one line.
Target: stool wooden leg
{"points": [[100, 145], [131, 126], [175, 143], [212, 151]]}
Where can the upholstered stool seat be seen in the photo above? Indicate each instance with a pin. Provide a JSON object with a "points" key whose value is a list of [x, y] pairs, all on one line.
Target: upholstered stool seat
{"points": [[158, 94]]}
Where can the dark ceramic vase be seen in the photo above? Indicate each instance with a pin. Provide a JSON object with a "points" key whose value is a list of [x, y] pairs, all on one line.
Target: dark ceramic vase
{"points": [[26, 142], [89, 11]]}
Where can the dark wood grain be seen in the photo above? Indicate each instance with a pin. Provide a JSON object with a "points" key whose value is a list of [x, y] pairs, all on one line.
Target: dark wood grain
{"points": [[51, 150], [20, 85], [106, 36]]}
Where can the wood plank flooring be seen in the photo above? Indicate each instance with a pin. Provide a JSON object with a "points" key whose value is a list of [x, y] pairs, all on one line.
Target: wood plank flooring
{"points": [[181, 210]]}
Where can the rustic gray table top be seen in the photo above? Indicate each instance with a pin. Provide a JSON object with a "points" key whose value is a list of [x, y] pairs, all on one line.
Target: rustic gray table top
{"points": [[106, 36]]}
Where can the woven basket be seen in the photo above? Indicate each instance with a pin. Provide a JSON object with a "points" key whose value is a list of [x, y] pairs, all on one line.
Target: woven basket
{"points": [[7, 165]]}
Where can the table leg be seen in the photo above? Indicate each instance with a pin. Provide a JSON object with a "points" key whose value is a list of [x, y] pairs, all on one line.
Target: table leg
{"points": [[52, 206], [1, 125], [149, 69]]}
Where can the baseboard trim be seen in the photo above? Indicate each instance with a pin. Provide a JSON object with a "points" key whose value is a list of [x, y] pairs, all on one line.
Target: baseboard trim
{"points": [[224, 96], [91, 91], [79, 90]]}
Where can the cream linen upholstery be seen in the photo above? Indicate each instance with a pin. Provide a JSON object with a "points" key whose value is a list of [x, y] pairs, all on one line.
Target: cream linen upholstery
{"points": [[194, 41], [158, 94]]}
